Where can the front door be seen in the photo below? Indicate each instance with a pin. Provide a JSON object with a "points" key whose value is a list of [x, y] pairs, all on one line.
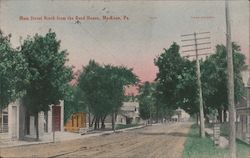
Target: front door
{"points": [[56, 118]]}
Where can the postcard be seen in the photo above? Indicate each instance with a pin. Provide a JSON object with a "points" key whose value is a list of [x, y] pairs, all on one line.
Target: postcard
{"points": [[141, 79]]}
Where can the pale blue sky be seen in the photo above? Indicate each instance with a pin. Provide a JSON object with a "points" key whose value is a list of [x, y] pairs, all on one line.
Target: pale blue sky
{"points": [[152, 26]]}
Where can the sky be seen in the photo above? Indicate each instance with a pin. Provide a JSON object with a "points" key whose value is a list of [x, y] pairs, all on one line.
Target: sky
{"points": [[134, 40]]}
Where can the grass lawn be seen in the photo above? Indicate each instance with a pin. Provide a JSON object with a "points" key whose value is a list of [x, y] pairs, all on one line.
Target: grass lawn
{"points": [[196, 147], [121, 126]]}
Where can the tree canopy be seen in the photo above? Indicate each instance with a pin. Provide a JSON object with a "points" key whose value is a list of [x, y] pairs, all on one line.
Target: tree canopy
{"points": [[146, 100], [73, 101], [103, 87], [176, 80], [14, 74], [49, 76], [214, 77]]}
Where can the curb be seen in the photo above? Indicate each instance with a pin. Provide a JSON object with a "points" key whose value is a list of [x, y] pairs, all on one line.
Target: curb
{"points": [[84, 136]]}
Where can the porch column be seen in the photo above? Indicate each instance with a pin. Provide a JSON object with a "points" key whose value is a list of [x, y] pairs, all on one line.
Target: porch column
{"points": [[50, 119], [62, 115]]}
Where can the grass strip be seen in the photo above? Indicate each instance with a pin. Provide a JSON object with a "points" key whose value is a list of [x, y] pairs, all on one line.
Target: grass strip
{"points": [[196, 147]]}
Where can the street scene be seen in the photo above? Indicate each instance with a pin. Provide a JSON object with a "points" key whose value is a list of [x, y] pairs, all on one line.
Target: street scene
{"points": [[144, 79]]}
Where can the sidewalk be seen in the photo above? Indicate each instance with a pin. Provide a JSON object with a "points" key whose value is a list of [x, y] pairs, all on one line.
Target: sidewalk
{"points": [[59, 136]]}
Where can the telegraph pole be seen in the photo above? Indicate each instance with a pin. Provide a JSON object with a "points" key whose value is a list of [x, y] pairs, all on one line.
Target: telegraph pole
{"points": [[198, 73], [230, 86]]}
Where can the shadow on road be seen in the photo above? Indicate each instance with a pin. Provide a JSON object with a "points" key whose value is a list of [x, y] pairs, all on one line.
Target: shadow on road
{"points": [[151, 133], [178, 134], [175, 134]]}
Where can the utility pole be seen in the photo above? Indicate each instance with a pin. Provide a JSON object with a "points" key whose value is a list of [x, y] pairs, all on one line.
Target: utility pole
{"points": [[230, 85], [198, 73]]}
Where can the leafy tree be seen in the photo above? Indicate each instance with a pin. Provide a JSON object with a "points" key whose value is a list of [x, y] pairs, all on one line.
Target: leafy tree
{"points": [[176, 82], [103, 87], [49, 75], [170, 66], [130, 97], [13, 72], [73, 101], [187, 88], [151, 105], [214, 77], [146, 100], [177, 85]]}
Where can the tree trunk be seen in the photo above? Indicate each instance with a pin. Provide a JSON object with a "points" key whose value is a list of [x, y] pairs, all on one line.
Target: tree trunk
{"points": [[93, 121], [36, 124], [225, 115], [1, 112], [90, 124], [222, 115], [157, 114], [95, 124], [206, 119], [102, 120], [103, 125], [197, 118], [98, 122], [219, 115], [113, 122]]}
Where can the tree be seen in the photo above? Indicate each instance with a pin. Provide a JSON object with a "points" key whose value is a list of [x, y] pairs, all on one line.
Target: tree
{"points": [[49, 77], [214, 77], [146, 100], [73, 101], [170, 66], [13, 72], [176, 80], [103, 87], [188, 89]]}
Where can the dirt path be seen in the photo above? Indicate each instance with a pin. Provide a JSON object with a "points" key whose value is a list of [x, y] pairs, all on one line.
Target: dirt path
{"points": [[157, 141]]}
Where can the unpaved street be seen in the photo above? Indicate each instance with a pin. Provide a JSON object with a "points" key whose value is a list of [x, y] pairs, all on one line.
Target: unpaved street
{"points": [[157, 141]]}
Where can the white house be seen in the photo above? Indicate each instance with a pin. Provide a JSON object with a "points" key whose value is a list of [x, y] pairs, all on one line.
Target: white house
{"points": [[19, 124], [180, 115], [129, 113]]}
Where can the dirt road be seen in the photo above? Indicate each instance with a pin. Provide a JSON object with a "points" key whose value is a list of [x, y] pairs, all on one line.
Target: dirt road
{"points": [[157, 141]]}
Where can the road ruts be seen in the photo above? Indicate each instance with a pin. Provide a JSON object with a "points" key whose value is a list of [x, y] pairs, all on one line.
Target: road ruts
{"points": [[157, 141]]}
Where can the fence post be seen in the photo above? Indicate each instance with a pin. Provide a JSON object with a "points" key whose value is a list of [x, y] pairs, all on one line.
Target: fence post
{"points": [[216, 133]]}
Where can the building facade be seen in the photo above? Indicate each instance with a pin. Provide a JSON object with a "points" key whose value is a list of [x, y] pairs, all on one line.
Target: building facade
{"points": [[18, 124], [129, 114], [243, 116]]}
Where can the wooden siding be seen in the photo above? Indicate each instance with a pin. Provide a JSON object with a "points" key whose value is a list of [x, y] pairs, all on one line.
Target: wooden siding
{"points": [[75, 122]]}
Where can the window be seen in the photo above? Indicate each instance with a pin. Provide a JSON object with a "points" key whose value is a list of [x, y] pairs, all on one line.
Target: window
{"points": [[5, 119], [4, 122]]}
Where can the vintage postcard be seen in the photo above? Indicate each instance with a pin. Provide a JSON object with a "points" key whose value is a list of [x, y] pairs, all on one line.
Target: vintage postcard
{"points": [[123, 78]]}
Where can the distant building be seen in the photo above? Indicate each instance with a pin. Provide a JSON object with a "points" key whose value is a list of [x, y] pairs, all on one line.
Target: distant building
{"points": [[243, 116], [180, 115], [129, 113], [16, 123], [76, 121]]}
